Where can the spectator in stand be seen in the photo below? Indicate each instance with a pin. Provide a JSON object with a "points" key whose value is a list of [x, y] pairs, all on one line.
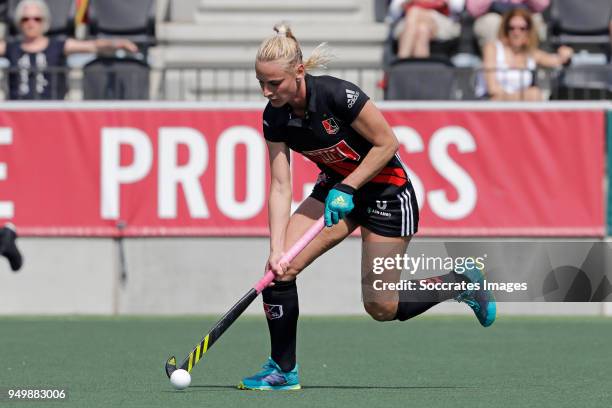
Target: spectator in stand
{"points": [[510, 61], [8, 246], [36, 61], [423, 21], [488, 15]]}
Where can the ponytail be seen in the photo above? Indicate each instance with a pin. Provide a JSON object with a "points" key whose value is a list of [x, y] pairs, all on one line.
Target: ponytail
{"points": [[283, 47]]}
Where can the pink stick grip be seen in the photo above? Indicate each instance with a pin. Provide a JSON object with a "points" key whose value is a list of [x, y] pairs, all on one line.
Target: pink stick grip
{"points": [[292, 253]]}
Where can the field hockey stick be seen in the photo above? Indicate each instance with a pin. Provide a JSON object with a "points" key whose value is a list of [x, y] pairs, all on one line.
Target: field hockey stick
{"points": [[230, 317]]}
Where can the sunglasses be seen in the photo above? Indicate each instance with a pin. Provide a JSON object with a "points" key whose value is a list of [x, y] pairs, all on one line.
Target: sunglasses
{"points": [[521, 28], [36, 19]]}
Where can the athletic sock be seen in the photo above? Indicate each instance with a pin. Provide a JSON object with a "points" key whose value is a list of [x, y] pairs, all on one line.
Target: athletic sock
{"points": [[414, 302], [8, 247], [282, 310]]}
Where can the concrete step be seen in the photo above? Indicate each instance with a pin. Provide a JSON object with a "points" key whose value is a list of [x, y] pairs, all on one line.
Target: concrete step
{"points": [[240, 84], [273, 11], [282, 5], [221, 37], [222, 56], [254, 33]]}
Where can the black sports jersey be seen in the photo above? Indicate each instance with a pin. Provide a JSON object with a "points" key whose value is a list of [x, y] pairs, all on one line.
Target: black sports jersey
{"points": [[325, 134]]}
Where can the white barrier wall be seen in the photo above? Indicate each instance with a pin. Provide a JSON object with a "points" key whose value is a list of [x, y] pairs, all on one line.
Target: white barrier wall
{"points": [[60, 276], [190, 276]]}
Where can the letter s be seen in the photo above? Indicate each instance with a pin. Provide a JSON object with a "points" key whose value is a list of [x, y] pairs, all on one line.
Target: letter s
{"points": [[453, 173]]}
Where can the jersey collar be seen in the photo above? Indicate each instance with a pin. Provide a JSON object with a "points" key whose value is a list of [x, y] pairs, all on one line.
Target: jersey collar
{"points": [[311, 93], [311, 101]]}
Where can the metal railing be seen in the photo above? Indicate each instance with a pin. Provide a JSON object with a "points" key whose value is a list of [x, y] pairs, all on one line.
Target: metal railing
{"points": [[140, 82]]}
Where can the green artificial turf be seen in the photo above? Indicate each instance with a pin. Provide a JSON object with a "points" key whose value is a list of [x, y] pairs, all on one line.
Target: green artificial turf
{"points": [[431, 361]]}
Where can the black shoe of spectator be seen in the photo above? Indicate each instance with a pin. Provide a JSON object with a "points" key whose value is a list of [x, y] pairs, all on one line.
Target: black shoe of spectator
{"points": [[8, 246]]}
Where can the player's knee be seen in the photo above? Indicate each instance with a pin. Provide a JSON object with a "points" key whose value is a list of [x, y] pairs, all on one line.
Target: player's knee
{"points": [[293, 270], [381, 311]]}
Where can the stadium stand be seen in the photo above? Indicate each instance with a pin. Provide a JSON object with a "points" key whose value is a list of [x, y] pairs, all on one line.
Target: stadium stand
{"points": [[585, 27], [583, 24], [210, 45], [587, 82], [429, 79], [203, 49], [420, 79]]}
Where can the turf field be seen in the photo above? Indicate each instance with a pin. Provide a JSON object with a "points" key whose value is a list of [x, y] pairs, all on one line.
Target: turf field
{"points": [[428, 362]]}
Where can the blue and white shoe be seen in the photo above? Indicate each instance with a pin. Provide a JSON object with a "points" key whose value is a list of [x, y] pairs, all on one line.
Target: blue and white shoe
{"points": [[271, 377], [481, 301]]}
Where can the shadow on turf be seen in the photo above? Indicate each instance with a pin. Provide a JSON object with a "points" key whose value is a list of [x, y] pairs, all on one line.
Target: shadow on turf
{"points": [[340, 387]]}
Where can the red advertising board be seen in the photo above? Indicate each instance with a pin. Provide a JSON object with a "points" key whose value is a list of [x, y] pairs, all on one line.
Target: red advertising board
{"points": [[191, 171]]}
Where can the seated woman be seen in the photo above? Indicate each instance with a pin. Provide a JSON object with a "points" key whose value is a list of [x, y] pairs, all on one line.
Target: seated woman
{"points": [[510, 62], [424, 21], [37, 62]]}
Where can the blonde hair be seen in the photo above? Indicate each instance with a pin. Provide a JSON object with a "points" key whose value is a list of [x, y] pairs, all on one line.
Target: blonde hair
{"points": [[44, 11], [504, 27], [284, 48]]}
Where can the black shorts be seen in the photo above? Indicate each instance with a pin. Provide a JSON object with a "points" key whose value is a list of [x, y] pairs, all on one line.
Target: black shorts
{"points": [[387, 210]]}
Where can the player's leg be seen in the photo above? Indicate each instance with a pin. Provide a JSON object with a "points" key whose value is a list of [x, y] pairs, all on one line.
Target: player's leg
{"points": [[387, 224], [384, 303], [281, 300], [389, 304], [379, 302]]}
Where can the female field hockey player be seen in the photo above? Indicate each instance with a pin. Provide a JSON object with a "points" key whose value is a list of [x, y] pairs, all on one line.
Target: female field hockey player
{"points": [[362, 183]]}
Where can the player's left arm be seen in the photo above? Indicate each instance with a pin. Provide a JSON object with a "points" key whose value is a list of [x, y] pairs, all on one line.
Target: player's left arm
{"points": [[100, 45], [371, 125]]}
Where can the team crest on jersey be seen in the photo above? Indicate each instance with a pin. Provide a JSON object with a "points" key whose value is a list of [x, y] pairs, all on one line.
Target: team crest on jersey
{"points": [[331, 126], [351, 97], [273, 311]]}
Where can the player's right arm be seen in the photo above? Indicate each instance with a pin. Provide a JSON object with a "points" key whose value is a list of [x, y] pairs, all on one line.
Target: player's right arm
{"points": [[279, 201]]}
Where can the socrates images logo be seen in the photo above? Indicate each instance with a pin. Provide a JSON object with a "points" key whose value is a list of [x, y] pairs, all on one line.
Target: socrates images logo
{"points": [[351, 97]]}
